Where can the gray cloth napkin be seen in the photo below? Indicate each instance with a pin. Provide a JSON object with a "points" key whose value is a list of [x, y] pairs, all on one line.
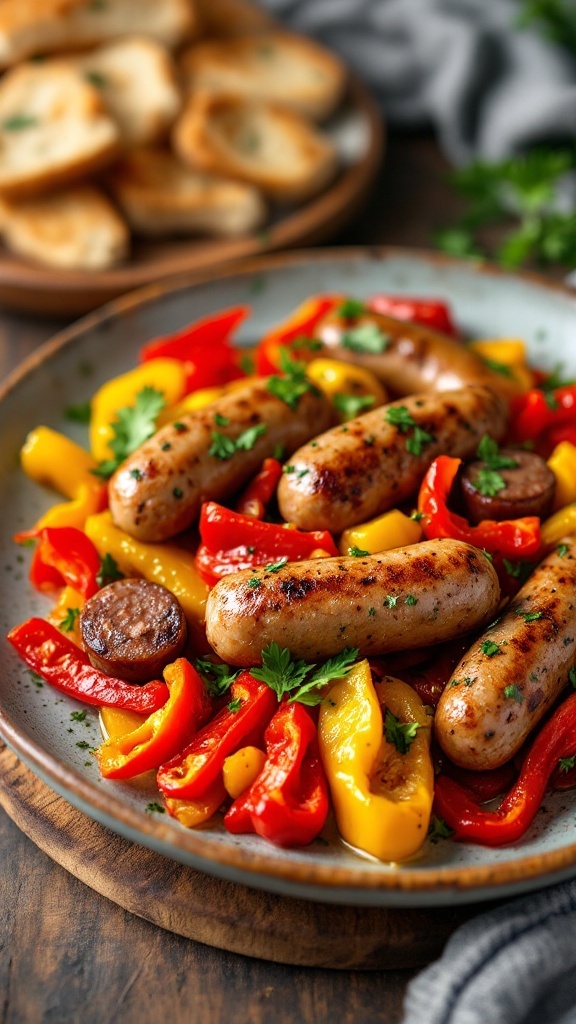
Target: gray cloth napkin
{"points": [[512, 965], [464, 67]]}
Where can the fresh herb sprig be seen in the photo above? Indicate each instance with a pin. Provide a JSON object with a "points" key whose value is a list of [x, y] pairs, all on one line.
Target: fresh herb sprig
{"points": [[133, 425], [489, 481], [293, 384], [297, 679]]}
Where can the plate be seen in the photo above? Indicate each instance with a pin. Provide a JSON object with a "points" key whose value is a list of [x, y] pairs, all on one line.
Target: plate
{"points": [[358, 132], [36, 722]]}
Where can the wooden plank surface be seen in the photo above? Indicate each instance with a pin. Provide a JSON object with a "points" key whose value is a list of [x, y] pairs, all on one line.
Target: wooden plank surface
{"points": [[68, 954]]}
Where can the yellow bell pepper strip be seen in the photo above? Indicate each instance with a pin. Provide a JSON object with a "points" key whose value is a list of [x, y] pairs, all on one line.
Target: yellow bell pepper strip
{"points": [[393, 529], [116, 722], [195, 812], [53, 460], [167, 564], [288, 801], [165, 732], [382, 796], [561, 524], [65, 614], [506, 356], [351, 389], [165, 375], [562, 462], [241, 769]]}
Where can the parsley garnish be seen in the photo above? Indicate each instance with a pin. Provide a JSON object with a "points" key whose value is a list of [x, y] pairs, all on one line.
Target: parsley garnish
{"points": [[19, 122], [439, 830], [350, 309], [488, 481], [390, 601], [220, 420], [400, 734], [97, 79], [224, 447], [296, 678], [566, 764], [289, 389], [489, 648], [411, 600], [69, 620], [254, 582], [417, 516], [350, 406], [218, 678], [366, 338], [529, 616], [572, 677], [155, 808], [133, 425], [78, 413], [235, 705], [78, 716], [513, 692], [399, 416], [109, 571], [356, 552], [276, 566], [562, 550]]}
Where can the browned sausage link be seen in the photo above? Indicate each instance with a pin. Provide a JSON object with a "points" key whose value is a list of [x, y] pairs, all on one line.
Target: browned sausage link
{"points": [[369, 465], [515, 671], [157, 492], [414, 358], [409, 597], [132, 629], [526, 489]]}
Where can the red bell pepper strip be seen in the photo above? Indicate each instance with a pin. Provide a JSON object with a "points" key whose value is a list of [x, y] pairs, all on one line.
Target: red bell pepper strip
{"points": [[261, 490], [231, 542], [62, 664], [429, 312], [511, 538], [484, 785], [469, 822], [288, 802], [205, 347], [537, 412], [165, 732], [301, 323], [65, 556], [190, 773]]}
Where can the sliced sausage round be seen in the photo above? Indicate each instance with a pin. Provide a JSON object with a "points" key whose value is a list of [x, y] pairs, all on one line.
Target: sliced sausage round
{"points": [[132, 629], [528, 488]]}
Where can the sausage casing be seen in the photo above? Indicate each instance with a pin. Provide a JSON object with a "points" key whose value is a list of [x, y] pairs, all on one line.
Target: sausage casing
{"points": [[355, 471], [404, 598], [159, 489], [515, 671]]}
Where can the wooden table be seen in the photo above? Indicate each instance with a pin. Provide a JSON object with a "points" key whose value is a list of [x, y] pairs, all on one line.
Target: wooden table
{"points": [[68, 954]]}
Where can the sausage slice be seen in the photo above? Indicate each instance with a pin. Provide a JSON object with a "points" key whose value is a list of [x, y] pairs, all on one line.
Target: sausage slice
{"points": [[132, 629], [528, 489]]}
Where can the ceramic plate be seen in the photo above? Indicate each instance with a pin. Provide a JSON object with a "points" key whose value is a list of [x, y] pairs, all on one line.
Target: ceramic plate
{"points": [[357, 130], [36, 722]]}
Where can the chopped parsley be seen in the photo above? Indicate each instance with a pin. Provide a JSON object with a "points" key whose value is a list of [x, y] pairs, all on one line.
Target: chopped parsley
{"points": [[513, 692], [357, 552], [390, 601], [234, 705], [220, 420], [489, 482], [572, 677], [411, 600], [400, 417], [350, 309], [78, 413], [109, 571], [350, 406], [294, 384], [224, 447], [438, 830], [298, 680], [490, 648], [218, 678], [562, 550], [276, 566], [69, 620], [366, 338], [155, 808], [133, 425], [400, 734], [566, 764], [97, 79], [78, 716], [19, 122], [254, 582], [529, 616]]}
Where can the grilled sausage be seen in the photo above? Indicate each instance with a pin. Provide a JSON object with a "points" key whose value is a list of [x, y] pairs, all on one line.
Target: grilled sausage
{"points": [[355, 471], [411, 358], [405, 598], [132, 629], [515, 671], [157, 492], [528, 489]]}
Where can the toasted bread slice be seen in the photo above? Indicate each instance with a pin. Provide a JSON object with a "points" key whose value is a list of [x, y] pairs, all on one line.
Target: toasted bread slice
{"points": [[224, 18], [46, 26], [77, 229], [137, 81], [53, 129], [261, 143], [275, 66], [160, 196]]}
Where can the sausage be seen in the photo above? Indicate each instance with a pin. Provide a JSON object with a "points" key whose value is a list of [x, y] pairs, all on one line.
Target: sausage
{"points": [[356, 471], [414, 358], [159, 489], [405, 598], [132, 629], [510, 676], [528, 491]]}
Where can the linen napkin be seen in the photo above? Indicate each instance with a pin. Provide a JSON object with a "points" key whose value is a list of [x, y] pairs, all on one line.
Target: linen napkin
{"points": [[464, 67]]}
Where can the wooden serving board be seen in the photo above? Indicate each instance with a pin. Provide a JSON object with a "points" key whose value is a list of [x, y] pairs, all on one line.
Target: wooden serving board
{"points": [[209, 910]]}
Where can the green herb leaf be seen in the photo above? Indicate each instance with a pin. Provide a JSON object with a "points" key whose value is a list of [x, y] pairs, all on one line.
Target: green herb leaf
{"points": [[400, 734], [78, 413], [288, 677], [97, 79], [235, 705], [335, 668], [18, 123], [109, 571], [350, 406], [69, 620], [220, 420], [224, 447], [351, 309], [399, 416], [529, 616], [133, 425], [438, 829], [218, 678], [290, 388], [489, 483], [155, 808], [356, 552], [566, 764], [274, 567], [513, 692], [572, 677], [490, 648], [489, 452], [418, 440], [366, 338]]}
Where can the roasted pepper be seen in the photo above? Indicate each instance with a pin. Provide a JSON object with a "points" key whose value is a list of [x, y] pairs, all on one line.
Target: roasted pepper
{"points": [[231, 542], [165, 375], [511, 538], [64, 555], [58, 660], [190, 345], [430, 312], [192, 772], [260, 490], [167, 564], [195, 812], [241, 769], [393, 529], [53, 460], [165, 732], [65, 614], [382, 797], [299, 325], [460, 810], [561, 524], [547, 416], [288, 802], [562, 462]]}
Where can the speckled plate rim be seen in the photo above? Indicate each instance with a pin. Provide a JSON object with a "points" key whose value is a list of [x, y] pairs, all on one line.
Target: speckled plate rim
{"points": [[316, 881]]}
